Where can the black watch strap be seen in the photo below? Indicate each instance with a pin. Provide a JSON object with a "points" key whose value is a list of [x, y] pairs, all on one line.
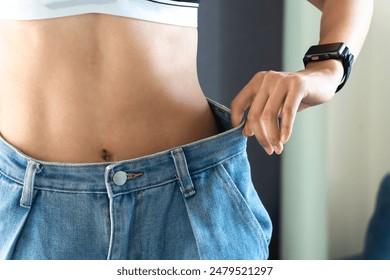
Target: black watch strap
{"points": [[347, 61]]}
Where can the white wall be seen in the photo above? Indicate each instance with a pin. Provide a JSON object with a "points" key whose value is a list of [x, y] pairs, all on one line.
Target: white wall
{"points": [[329, 194], [358, 140]]}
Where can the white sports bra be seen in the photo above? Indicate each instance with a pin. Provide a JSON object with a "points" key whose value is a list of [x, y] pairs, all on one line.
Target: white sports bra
{"points": [[176, 12]]}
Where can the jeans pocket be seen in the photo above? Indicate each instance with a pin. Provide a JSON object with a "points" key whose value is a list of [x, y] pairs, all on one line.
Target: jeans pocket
{"points": [[223, 223], [243, 194]]}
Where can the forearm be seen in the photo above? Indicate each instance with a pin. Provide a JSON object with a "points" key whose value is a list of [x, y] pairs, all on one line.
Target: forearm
{"points": [[345, 21], [273, 96]]}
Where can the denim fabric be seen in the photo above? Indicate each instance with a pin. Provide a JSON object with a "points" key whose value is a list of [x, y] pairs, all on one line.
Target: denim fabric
{"points": [[196, 201]]}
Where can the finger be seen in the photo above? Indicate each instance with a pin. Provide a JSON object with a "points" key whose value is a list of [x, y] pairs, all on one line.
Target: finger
{"points": [[244, 99], [254, 124], [288, 114], [240, 104], [271, 114], [261, 137]]}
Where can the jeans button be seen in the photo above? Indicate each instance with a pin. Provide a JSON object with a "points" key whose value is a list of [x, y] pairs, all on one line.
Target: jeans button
{"points": [[120, 178]]}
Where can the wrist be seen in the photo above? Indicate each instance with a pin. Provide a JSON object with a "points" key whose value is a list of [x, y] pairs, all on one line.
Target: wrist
{"points": [[331, 69], [332, 52]]}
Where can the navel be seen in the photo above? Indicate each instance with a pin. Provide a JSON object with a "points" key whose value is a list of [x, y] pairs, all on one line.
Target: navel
{"points": [[105, 155]]}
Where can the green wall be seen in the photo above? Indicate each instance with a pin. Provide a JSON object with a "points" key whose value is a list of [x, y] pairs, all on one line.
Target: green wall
{"points": [[304, 161]]}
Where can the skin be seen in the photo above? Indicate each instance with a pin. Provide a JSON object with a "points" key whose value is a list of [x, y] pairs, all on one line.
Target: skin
{"points": [[274, 96], [95, 88]]}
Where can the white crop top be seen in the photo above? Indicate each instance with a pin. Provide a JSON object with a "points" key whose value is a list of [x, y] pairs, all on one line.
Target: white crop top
{"points": [[176, 12]]}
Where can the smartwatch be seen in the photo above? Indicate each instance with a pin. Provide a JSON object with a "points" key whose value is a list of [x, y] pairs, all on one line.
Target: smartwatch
{"points": [[331, 51]]}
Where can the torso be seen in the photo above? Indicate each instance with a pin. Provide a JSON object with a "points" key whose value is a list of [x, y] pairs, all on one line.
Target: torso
{"points": [[93, 88]]}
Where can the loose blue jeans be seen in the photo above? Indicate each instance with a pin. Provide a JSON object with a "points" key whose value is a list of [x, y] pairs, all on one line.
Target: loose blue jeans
{"points": [[196, 201]]}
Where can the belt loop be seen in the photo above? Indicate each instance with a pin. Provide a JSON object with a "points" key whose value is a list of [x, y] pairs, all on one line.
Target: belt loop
{"points": [[187, 187], [28, 185]]}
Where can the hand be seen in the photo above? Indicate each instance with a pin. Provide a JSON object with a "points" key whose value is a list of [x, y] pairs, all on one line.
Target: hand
{"points": [[274, 98]]}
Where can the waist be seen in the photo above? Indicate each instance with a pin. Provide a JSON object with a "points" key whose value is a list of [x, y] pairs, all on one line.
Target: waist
{"points": [[148, 170], [114, 127]]}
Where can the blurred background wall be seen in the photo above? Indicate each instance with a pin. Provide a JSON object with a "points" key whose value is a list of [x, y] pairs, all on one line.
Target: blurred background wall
{"points": [[358, 140], [330, 178], [321, 192], [305, 159]]}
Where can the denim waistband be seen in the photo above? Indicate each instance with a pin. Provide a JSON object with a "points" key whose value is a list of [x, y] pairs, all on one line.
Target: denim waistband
{"points": [[147, 171]]}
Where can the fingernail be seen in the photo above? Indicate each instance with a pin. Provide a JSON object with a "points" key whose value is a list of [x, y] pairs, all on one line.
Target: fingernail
{"points": [[269, 151], [279, 149]]}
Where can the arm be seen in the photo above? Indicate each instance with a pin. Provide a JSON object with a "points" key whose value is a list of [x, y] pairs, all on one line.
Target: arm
{"points": [[272, 96], [346, 21]]}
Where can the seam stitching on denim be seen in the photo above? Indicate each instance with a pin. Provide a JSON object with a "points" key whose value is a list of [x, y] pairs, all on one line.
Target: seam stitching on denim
{"points": [[226, 180]]}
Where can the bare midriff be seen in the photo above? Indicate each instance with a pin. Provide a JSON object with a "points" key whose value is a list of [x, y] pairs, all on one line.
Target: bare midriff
{"points": [[99, 88]]}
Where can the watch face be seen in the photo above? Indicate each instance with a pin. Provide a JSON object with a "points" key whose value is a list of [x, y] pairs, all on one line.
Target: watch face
{"points": [[327, 48], [324, 52]]}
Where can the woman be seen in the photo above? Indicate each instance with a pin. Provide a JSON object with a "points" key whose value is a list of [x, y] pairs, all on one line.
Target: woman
{"points": [[109, 148]]}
